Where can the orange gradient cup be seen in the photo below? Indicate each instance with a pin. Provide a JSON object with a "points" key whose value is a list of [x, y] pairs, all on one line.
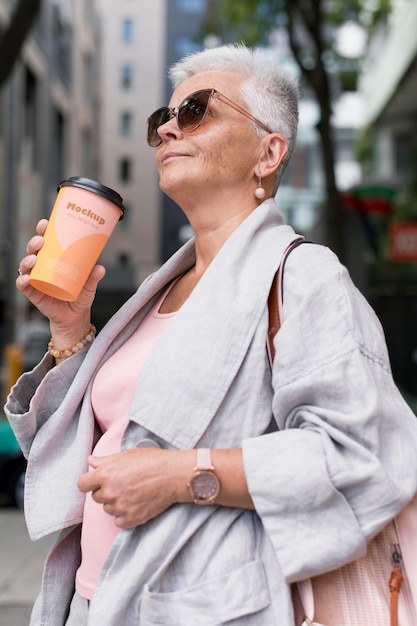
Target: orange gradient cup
{"points": [[82, 220]]}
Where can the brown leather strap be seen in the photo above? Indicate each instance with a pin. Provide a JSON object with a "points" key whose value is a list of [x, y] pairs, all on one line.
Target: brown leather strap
{"points": [[274, 321], [275, 297], [395, 582]]}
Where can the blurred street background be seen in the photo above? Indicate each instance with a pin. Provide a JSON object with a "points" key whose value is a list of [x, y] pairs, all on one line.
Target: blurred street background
{"points": [[78, 80], [21, 566]]}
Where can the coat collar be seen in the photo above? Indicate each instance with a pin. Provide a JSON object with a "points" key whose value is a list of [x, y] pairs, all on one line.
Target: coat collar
{"points": [[191, 369]]}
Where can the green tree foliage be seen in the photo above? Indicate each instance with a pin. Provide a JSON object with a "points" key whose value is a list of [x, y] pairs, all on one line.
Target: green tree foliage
{"points": [[312, 27]]}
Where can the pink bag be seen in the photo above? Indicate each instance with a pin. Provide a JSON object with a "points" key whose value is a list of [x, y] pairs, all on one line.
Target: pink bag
{"points": [[380, 589], [359, 594]]}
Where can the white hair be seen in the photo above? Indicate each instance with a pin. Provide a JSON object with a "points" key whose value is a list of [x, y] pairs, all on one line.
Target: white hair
{"points": [[270, 92]]}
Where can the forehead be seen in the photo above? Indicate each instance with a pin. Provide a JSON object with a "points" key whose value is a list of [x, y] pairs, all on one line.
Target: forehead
{"points": [[227, 83]]}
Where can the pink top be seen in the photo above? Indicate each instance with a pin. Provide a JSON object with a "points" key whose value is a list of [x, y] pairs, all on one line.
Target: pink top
{"points": [[111, 396]]}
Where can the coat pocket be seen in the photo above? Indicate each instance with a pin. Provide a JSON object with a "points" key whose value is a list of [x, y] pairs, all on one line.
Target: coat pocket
{"points": [[242, 592]]}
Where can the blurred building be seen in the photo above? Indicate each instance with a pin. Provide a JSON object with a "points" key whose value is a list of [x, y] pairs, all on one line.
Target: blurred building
{"points": [[389, 85], [48, 127], [132, 82], [183, 36]]}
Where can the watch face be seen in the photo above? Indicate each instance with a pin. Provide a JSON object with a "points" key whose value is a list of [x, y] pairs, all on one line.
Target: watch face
{"points": [[205, 486]]}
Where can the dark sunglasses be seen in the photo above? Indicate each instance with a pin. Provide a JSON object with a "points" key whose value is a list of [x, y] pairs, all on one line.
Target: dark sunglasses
{"points": [[191, 114]]}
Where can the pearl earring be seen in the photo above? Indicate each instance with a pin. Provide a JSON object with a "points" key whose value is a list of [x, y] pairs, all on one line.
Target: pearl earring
{"points": [[260, 191]]}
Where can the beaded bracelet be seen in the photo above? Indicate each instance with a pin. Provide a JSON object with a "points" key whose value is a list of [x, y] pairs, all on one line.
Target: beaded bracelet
{"points": [[63, 354]]}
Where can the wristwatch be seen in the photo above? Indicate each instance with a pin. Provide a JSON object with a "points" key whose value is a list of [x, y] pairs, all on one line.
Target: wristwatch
{"points": [[204, 485]]}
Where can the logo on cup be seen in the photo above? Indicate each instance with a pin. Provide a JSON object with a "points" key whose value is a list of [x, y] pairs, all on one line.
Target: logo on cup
{"points": [[72, 206]]}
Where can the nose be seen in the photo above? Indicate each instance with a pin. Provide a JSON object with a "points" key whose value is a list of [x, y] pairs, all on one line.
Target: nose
{"points": [[170, 130]]}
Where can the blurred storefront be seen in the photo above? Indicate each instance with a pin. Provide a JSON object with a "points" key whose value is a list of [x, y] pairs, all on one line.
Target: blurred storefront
{"points": [[389, 85]]}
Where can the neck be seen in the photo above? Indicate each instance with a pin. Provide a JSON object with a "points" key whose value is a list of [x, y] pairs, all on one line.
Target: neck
{"points": [[214, 225]]}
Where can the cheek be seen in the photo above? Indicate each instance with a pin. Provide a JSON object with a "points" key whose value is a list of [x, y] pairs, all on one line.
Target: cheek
{"points": [[233, 159], [222, 156]]}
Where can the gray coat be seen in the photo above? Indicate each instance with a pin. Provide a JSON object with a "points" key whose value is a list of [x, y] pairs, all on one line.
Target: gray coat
{"points": [[329, 445]]}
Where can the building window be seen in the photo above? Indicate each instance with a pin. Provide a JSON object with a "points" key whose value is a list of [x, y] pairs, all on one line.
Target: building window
{"points": [[127, 30], [61, 52], [58, 147], [88, 78], [191, 6], [127, 76], [87, 152], [304, 170], [89, 12], [185, 44], [403, 155], [30, 115], [125, 173], [126, 124]]}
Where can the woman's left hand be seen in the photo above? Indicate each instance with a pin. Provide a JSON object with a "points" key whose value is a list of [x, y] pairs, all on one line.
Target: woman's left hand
{"points": [[137, 485]]}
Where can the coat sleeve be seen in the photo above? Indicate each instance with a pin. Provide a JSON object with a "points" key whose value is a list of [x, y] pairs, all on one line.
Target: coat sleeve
{"points": [[37, 395], [342, 462], [55, 429]]}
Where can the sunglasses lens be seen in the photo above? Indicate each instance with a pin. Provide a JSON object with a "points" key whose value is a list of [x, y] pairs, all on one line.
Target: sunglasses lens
{"points": [[157, 119], [193, 110], [191, 114]]}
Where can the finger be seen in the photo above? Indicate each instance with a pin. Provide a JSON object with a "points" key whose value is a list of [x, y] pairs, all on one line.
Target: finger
{"points": [[88, 482], [108, 507], [34, 244], [89, 290], [98, 497], [98, 272], [94, 461], [41, 226], [27, 263], [22, 282], [121, 522]]}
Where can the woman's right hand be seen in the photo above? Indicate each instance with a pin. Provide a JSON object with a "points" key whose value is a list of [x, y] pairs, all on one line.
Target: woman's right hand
{"points": [[70, 321]]}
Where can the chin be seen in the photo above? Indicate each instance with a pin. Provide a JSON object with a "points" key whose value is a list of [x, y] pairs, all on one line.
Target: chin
{"points": [[172, 187]]}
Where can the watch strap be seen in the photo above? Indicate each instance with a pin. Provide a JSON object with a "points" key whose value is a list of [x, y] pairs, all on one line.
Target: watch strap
{"points": [[203, 459], [204, 485]]}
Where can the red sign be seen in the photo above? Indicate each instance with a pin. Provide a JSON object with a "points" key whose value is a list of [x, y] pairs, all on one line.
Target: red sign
{"points": [[403, 241]]}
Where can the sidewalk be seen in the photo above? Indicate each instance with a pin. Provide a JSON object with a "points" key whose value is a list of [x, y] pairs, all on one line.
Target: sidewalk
{"points": [[21, 566]]}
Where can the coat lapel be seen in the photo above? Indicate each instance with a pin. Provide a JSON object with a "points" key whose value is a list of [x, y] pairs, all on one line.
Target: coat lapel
{"points": [[193, 365]]}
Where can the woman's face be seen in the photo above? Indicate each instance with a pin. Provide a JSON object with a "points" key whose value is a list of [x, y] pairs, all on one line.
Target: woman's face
{"points": [[217, 159]]}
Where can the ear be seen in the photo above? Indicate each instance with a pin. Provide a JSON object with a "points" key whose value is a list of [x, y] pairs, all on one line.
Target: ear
{"points": [[272, 151]]}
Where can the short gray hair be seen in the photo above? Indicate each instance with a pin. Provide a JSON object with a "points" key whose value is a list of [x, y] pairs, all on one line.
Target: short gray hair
{"points": [[270, 92]]}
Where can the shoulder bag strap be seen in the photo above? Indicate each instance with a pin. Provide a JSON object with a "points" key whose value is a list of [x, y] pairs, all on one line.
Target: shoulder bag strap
{"points": [[275, 299]]}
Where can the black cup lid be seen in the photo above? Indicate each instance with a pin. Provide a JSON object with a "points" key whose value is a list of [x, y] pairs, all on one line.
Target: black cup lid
{"points": [[96, 187]]}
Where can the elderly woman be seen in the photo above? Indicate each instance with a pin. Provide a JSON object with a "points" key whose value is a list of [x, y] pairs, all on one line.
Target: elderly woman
{"points": [[191, 483]]}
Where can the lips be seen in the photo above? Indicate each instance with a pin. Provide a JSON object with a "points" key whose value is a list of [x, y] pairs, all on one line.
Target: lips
{"points": [[172, 155]]}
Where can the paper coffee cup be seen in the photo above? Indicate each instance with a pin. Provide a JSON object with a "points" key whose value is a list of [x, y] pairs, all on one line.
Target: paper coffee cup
{"points": [[82, 220]]}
